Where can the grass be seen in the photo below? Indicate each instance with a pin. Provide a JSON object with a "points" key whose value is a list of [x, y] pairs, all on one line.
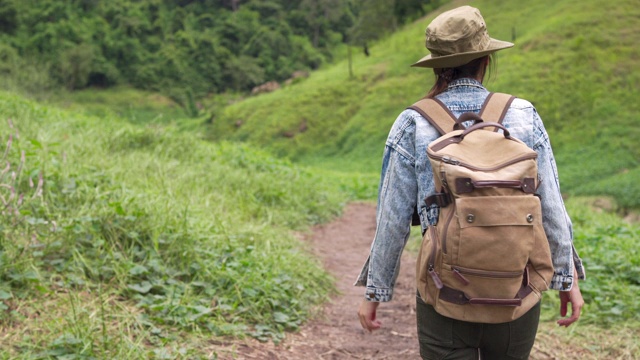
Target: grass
{"points": [[127, 233], [608, 247], [581, 81], [122, 102], [166, 232], [585, 341]]}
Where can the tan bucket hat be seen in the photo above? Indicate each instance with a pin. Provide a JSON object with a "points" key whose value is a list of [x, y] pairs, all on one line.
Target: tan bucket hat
{"points": [[456, 37]]}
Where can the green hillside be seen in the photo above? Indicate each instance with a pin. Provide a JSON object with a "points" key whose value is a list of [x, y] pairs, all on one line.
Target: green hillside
{"points": [[129, 232], [579, 68]]}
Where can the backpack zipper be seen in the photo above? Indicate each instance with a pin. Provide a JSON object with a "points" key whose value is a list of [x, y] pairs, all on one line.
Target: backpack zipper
{"points": [[449, 160], [484, 273], [443, 176], [432, 259], [460, 277], [446, 228]]}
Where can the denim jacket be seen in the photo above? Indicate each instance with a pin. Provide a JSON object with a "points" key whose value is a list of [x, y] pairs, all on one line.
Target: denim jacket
{"points": [[407, 179]]}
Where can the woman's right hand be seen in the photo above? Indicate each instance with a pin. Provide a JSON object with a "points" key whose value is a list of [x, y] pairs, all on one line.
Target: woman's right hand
{"points": [[367, 315], [573, 296]]}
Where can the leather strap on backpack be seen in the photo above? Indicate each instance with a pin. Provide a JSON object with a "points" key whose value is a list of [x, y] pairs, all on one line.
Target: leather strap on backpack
{"points": [[459, 297], [436, 113], [493, 109]]}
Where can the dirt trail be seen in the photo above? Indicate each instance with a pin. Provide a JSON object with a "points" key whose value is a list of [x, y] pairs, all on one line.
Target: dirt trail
{"points": [[343, 246]]}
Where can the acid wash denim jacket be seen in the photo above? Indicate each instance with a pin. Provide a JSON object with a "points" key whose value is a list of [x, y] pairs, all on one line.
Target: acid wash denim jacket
{"points": [[407, 179]]}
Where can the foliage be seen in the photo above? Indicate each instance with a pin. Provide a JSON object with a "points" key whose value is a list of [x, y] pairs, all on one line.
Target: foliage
{"points": [[177, 47], [125, 234], [347, 119], [192, 235], [608, 247]]}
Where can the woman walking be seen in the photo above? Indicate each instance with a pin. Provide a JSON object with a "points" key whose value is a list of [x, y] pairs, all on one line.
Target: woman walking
{"points": [[460, 54]]}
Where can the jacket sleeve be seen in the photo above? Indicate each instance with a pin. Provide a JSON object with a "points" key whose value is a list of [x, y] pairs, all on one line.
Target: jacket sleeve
{"points": [[555, 220], [396, 201]]}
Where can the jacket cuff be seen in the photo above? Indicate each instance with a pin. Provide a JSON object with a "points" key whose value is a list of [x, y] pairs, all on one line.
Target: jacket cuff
{"points": [[578, 264], [378, 295], [564, 282], [561, 282]]}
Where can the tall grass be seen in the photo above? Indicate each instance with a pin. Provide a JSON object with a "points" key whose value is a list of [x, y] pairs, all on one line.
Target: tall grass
{"points": [[179, 233], [127, 234]]}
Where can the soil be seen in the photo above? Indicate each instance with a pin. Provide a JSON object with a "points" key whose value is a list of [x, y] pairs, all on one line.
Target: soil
{"points": [[343, 246]]}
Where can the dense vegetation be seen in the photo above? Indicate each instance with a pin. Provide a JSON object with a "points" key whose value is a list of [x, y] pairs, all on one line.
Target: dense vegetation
{"points": [[194, 235], [184, 48], [583, 83], [127, 233]]}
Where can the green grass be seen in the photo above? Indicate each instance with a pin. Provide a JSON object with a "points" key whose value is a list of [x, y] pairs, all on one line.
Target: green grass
{"points": [[178, 233], [576, 66], [128, 233], [608, 247], [135, 106]]}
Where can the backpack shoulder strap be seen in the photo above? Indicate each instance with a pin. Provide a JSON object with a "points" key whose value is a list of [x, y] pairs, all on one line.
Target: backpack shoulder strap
{"points": [[495, 107], [436, 113]]}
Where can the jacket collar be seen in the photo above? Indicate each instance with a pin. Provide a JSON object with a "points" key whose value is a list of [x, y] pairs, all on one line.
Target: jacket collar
{"points": [[465, 82]]}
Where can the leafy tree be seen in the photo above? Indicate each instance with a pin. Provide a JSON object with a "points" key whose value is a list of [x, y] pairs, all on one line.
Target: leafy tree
{"points": [[374, 20], [409, 10], [242, 73], [8, 17], [320, 14], [186, 46], [231, 4], [75, 66]]}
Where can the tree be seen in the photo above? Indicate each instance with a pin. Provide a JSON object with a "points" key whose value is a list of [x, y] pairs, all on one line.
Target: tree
{"points": [[8, 17], [243, 73], [320, 13], [409, 10], [75, 66], [231, 4], [373, 20], [197, 46]]}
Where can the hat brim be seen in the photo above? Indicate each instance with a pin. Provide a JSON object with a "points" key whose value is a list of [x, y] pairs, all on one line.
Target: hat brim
{"points": [[455, 60]]}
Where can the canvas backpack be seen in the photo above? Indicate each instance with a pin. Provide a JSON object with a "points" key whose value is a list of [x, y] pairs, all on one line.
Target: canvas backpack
{"points": [[487, 259]]}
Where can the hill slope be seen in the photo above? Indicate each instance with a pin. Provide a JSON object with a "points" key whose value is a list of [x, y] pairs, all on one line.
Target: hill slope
{"points": [[576, 65]]}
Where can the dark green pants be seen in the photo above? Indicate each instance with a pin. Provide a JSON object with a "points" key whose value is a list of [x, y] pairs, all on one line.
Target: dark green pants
{"points": [[445, 338]]}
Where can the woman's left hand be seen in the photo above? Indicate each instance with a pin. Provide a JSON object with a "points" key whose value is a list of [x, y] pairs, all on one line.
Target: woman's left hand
{"points": [[367, 315]]}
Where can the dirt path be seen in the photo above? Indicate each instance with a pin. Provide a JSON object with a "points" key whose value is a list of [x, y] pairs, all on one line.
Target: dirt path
{"points": [[343, 246]]}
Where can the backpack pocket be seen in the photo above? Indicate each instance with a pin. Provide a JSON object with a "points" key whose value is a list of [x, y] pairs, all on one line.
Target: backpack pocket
{"points": [[496, 233], [427, 278], [477, 283]]}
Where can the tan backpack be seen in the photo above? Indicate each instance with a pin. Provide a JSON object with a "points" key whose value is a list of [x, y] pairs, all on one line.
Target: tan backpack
{"points": [[487, 259]]}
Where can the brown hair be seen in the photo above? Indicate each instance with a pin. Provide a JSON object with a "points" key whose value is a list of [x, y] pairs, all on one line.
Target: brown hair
{"points": [[474, 69]]}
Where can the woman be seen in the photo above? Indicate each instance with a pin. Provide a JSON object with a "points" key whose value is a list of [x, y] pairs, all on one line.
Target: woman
{"points": [[460, 50]]}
